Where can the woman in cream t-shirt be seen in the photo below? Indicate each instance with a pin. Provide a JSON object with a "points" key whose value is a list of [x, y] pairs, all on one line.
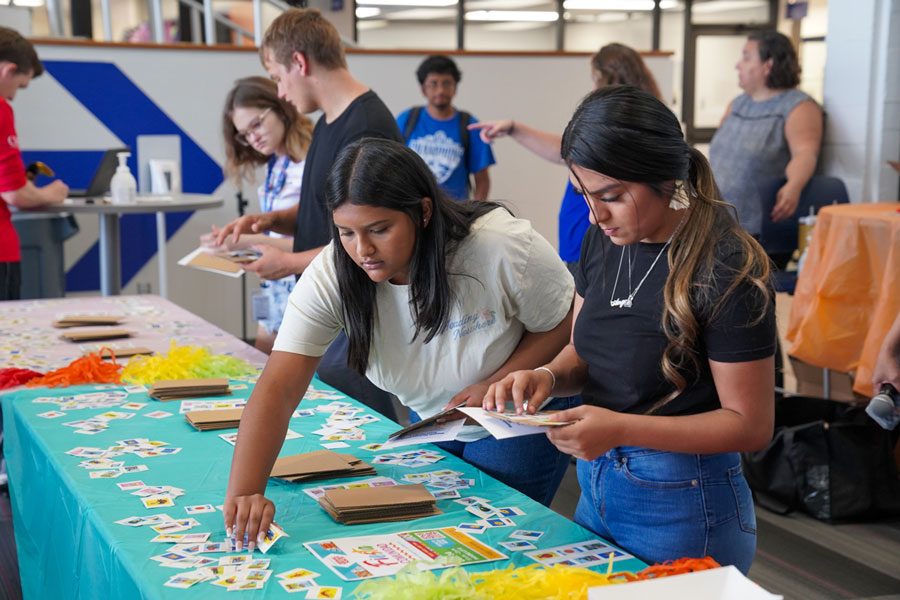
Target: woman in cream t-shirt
{"points": [[438, 299]]}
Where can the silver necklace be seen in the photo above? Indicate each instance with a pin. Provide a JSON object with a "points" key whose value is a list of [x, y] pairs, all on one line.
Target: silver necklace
{"points": [[627, 302]]}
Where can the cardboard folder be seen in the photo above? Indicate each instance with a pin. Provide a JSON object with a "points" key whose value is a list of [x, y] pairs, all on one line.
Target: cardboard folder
{"points": [[179, 389], [321, 464], [83, 320], [209, 420], [122, 352], [87, 335], [355, 506]]}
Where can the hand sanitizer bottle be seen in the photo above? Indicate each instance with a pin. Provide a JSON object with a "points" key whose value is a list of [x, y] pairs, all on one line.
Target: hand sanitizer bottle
{"points": [[123, 186]]}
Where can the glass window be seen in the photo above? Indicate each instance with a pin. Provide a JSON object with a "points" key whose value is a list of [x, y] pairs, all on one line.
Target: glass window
{"points": [[715, 81], [716, 12]]}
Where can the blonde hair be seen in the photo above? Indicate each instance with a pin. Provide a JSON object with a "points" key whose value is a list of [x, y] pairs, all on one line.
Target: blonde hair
{"points": [[303, 30], [259, 92]]}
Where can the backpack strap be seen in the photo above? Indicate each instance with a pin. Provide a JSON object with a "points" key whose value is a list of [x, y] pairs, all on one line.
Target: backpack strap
{"points": [[464, 120], [414, 113]]}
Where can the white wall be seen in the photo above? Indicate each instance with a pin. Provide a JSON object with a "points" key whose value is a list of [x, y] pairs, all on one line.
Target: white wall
{"points": [[189, 86], [862, 97]]}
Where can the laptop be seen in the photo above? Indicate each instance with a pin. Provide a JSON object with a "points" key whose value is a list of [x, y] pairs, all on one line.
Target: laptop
{"points": [[100, 181]]}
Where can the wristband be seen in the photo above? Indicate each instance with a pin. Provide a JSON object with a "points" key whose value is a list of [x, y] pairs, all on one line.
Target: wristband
{"points": [[552, 385], [512, 127]]}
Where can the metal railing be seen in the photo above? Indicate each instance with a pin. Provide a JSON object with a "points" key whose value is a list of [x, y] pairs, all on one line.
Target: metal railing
{"points": [[201, 11]]}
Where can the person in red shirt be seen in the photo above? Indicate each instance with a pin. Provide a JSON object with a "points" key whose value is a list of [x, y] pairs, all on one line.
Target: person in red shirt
{"points": [[18, 65]]}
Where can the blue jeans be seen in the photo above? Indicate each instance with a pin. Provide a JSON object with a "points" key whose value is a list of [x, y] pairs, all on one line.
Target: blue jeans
{"points": [[665, 505], [529, 464]]}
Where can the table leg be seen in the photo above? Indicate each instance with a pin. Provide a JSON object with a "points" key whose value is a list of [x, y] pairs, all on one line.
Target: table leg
{"points": [[110, 256], [161, 253]]}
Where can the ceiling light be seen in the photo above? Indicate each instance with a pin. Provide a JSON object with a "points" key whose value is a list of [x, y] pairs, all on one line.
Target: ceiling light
{"points": [[422, 3], [622, 5], [367, 12], [512, 15]]}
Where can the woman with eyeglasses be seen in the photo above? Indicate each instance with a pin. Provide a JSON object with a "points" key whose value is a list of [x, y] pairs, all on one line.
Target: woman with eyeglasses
{"points": [[260, 128]]}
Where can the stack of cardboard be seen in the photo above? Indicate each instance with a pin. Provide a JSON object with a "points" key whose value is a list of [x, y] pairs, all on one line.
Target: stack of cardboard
{"points": [[209, 420], [321, 464], [88, 335], [86, 320], [355, 506], [179, 389]]}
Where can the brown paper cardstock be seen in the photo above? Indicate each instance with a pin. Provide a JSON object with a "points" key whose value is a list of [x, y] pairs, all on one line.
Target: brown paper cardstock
{"points": [[87, 335]]}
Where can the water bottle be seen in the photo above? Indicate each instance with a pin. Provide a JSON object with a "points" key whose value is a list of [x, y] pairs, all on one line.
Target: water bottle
{"points": [[884, 408]]}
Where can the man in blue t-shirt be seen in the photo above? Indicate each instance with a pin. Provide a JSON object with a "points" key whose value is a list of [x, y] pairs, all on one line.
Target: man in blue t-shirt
{"points": [[439, 133]]}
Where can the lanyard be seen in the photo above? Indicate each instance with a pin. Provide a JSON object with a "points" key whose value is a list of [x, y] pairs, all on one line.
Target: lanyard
{"points": [[273, 190]]}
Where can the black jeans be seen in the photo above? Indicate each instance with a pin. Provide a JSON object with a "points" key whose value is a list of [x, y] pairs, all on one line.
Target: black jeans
{"points": [[10, 280]]}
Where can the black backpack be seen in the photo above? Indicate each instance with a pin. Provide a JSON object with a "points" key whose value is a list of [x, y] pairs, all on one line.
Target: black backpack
{"points": [[464, 120]]}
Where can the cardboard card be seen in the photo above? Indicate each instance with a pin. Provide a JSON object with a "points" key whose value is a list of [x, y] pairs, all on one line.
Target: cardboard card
{"points": [[124, 352], [82, 320], [85, 335]]}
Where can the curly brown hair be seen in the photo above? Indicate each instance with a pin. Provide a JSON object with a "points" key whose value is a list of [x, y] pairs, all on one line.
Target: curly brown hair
{"points": [[785, 73], [617, 64], [259, 92]]}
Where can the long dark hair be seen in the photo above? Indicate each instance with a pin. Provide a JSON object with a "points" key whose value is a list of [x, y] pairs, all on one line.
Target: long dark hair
{"points": [[379, 172], [627, 134]]}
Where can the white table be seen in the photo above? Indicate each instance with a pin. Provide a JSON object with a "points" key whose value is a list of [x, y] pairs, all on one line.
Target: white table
{"points": [[109, 214]]}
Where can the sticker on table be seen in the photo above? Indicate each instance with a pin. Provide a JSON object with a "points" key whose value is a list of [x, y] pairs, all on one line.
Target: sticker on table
{"points": [[524, 534], [158, 414], [498, 522], [517, 545], [52, 414], [582, 554], [324, 593], [156, 501], [472, 527], [199, 508], [365, 557], [296, 574], [291, 586]]}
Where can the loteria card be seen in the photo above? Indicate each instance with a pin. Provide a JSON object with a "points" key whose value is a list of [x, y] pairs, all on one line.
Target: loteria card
{"points": [[291, 586], [298, 573], [579, 554], [365, 557], [273, 534]]}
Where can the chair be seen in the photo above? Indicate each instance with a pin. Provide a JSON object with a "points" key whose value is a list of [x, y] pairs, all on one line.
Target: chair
{"points": [[781, 239]]}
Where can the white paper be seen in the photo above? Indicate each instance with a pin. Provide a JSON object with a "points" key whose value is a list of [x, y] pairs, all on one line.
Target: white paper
{"points": [[439, 432], [713, 584], [499, 428]]}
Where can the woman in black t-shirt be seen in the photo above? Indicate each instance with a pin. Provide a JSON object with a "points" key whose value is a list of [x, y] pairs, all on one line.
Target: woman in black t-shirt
{"points": [[673, 344]]}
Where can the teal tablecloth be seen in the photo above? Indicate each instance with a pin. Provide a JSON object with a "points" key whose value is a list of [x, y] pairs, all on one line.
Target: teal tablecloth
{"points": [[70, 547]]}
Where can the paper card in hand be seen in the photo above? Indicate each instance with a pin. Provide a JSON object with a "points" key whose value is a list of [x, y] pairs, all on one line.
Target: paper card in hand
{"points": [[423, 423]]}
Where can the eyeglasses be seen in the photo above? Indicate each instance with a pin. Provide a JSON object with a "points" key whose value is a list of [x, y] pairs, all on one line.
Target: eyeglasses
{"points": [[253, 129], [447, 84]]}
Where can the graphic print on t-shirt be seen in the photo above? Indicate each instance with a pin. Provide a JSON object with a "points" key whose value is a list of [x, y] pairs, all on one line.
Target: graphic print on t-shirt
{"points": [[441, 153], [471, 323]]}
